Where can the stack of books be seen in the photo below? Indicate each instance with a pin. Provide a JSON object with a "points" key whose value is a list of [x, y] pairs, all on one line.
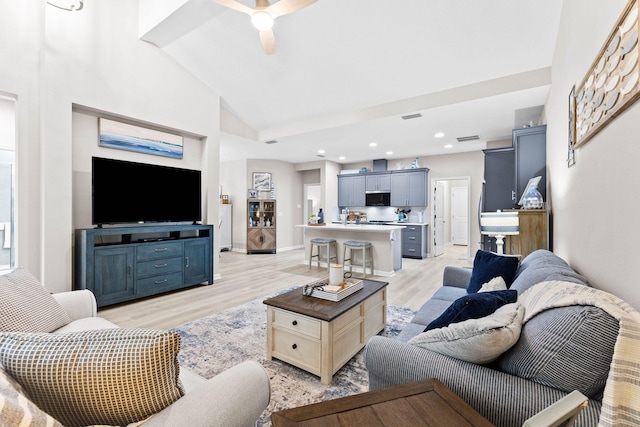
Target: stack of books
{"points": [[336, 292]]}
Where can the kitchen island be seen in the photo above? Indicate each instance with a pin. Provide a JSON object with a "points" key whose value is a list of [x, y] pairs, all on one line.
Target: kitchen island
{"points": [[386, 241]]}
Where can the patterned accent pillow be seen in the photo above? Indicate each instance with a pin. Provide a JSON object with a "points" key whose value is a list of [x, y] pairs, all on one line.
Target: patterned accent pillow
{"points": [[106, 376], [26, 306], [17, 410], [476, 340]]}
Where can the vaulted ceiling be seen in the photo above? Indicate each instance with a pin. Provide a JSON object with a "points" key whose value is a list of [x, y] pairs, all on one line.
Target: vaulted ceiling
{"points": [[346, 71]]}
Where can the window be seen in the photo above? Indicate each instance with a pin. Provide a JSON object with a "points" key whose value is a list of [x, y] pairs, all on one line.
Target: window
{"points": [[7, 182]]}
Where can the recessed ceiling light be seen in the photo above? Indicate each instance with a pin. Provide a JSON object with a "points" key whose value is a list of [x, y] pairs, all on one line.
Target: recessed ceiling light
{"points": [[448, 146], [389, 153], [341, 158], [439, 135], [320, 151], [373, 144]]}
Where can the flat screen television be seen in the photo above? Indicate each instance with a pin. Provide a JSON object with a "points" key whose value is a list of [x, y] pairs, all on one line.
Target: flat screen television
{"points": [[129, 192]]}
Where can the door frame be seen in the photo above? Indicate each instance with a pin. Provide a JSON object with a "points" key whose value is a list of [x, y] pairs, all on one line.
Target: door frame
{"points": [[452, 178]]}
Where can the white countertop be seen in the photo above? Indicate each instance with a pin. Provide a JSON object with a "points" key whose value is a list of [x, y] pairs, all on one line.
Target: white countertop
{"points": [[409, 223], [372, 228]]}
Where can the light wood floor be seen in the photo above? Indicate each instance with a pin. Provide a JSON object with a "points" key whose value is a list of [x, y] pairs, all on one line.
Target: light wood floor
{"points": [[246, 277]]}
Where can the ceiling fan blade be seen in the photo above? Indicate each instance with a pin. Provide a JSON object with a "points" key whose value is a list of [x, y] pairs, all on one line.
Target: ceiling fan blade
{"points": [[268, 41], [235, 5], [284, 7]]}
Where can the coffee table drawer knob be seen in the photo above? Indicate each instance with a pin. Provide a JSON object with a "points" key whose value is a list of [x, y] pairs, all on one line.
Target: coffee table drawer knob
{"points": [[294, 323], [294, 346]]}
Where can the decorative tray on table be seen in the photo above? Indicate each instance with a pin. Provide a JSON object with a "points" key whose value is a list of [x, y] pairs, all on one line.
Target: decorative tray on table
{"points": [[321, 289]]}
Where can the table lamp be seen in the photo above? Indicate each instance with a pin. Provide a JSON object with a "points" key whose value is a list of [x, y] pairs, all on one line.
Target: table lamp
{"points": [[499, 224]]}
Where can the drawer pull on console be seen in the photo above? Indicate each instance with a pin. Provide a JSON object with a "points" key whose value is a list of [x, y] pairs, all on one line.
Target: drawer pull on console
{"points": [[294, 346], [160, 265], [157, 282], [294, 323], [161, 249]]}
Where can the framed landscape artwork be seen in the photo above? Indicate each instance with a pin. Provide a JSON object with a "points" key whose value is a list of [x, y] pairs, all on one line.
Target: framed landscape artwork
{"points": [[262, 181], [143, 140]]}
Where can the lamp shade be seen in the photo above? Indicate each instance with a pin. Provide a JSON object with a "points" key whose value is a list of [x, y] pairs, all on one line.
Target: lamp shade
{"points": [[499, 223]]}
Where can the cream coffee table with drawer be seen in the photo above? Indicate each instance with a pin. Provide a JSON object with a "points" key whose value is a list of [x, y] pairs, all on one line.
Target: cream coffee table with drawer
{"points": [[321, 336]]}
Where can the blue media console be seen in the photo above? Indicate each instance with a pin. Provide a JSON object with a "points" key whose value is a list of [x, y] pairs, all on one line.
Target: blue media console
{"points": [[126, 263]]}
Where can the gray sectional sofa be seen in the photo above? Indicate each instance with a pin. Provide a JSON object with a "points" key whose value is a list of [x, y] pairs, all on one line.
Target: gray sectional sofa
{"points": [[558, 351]]}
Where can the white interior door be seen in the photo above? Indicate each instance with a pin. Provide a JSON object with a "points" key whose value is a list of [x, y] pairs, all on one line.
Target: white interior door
{"points": [[438, 219], [460, 216]]}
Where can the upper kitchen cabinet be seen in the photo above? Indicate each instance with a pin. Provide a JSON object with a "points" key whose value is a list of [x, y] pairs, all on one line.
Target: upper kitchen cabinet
{"points": [[508, 170], [531, 158], [409, 188], [499, 185], [378, 181], [351, 190]]}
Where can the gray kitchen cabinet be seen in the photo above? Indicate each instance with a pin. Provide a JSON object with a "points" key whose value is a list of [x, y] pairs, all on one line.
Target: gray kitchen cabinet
{"points": [[351, 190], [499, 185], [531, 158], [378, 181], [414, 241], [409, 188], [508, 170]]}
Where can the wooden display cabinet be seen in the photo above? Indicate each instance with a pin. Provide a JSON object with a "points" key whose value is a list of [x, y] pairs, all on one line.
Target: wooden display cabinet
{"points": [[261, 226]]}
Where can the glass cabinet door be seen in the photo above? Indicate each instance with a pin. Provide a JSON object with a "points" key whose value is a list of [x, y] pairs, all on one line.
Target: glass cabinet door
{"points": [[254, 214], [269, 212]]}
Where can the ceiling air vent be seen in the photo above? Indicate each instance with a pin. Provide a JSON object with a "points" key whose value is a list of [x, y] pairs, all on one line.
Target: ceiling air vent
{"points": [[468, 138], [320, 155], [411, 116], [273, 141]]}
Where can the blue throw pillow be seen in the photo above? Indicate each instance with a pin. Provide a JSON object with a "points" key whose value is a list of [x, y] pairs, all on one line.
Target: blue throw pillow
{"points": [[487, 265], [473, 306]]}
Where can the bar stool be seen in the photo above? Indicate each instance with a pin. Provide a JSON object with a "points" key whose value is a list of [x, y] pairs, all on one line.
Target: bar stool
{"points": [[366, 260], [323, 243]]}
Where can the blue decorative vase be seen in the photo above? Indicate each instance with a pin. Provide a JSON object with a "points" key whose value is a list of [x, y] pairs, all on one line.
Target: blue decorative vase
{"points": [[320, 217]]}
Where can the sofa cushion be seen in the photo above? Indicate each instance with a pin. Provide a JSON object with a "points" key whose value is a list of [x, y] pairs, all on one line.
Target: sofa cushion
{"points": [[476, 340], [473, 306], [26, 306], [449, 293], [568, 348], [109, 376], [487, 265], [542, 266], [17, 410]]}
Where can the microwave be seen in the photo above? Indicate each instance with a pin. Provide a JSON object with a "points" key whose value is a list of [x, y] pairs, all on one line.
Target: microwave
{"points": [[378, 199]]}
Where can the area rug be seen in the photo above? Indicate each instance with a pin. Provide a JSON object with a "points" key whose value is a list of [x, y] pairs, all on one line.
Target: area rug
{"points": [[215, 343]]}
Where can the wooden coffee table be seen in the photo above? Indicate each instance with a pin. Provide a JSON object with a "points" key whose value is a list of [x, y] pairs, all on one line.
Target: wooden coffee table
{"points": [[422, 403], [321, 336]]}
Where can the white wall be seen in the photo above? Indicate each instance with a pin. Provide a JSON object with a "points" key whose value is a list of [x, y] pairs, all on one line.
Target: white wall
{"points": [[594, 203], [91, 58]]}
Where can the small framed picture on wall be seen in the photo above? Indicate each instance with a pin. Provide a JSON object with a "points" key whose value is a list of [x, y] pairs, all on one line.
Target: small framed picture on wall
{"points": [[252, 193], [262, 180]]}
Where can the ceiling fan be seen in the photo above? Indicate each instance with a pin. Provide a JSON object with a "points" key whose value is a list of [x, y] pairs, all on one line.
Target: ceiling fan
{"points": [[263, 15]]}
